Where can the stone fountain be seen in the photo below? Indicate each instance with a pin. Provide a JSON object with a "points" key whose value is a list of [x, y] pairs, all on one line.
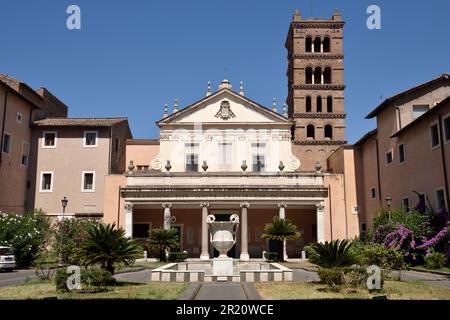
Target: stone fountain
{"points": [[223, 238], [222, 268]]}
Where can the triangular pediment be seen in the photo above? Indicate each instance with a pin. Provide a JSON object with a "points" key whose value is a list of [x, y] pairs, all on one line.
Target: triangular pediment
{"points": [[225, 107]]}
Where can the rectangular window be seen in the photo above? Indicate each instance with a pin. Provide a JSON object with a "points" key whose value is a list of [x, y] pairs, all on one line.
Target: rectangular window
{"points": [[440, 199], [405, 204], [6, 148], [49, 140], [447, 129], [373, 193], [364, 227], [225, 153], [46, 182], [401, 153], [88, 183], [191, 152], [420, 110], [25, 153], [389, 157], [116, 145], [434, 135], [258, 157], [421, 197], [19, 118], [90, 138]]}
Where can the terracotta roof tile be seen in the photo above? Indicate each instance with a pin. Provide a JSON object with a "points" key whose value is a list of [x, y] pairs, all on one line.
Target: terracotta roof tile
{"points": [[78, 122]]}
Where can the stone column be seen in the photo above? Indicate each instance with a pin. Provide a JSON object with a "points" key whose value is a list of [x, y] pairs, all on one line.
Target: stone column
{"points": [[167, 215], [282, 215], [128, 219], [205, 253], [244, 232], [320, 222]]}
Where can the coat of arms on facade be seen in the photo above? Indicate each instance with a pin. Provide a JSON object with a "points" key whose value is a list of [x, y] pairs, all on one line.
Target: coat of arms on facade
{"points": [[225, 112]]}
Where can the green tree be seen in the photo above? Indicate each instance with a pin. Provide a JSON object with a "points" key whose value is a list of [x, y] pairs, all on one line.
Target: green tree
{"points": [[163, 240], [280, 230], [107, 246], [336, 253]]}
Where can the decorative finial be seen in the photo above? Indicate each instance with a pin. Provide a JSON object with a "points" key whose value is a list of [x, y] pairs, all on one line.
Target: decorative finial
{"points": [[297, 17], [281, 166], [168, 166], [274, 105], [336, 15], [241, 88], [225, 84], [175, 106], [244, 165], [208, 92], [131, 167], [166, 110], [284, 110], [205, 166], [318, 167]]}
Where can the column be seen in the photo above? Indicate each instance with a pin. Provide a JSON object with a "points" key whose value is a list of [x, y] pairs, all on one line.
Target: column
{"points": [[244, 232], [320, 207], [205, 254], [128, 219], [282, 215], [167, 216]]}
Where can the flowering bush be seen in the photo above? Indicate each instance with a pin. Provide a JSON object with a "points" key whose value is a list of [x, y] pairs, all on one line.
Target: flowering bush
{"points": [[25, 233], [71, 233]]}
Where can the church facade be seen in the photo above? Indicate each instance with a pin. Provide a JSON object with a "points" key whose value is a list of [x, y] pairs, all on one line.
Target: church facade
{"points": [[227, 154]]}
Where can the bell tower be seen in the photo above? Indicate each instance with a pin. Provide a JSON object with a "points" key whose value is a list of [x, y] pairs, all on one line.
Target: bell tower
{"points": [[316, 88]]}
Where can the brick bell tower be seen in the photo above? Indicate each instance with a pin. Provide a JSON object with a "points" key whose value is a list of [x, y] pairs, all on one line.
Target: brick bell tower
{"points": [[316, 88]]}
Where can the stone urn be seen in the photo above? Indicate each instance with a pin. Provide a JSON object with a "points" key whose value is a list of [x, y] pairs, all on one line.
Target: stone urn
{"points": [[223, 233]]}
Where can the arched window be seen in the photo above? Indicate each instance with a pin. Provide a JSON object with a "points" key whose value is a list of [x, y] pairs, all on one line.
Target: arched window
{"points": [[326, 44], [329, 104], [328, 131], [319, 103], [317, 44], [308, 104], [308, 44], [310, 131], [318, 75], [327, 75], [309, 75]]}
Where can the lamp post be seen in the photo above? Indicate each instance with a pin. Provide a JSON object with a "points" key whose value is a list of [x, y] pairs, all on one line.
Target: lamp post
{"points": [[64, 202], [389, 203]]}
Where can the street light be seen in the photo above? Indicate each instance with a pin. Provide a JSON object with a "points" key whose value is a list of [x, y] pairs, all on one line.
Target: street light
{"points": [[389, 203], [64, 202]]}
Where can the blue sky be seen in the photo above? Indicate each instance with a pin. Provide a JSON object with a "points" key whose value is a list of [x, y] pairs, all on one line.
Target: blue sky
{"points": [[131, 57]]}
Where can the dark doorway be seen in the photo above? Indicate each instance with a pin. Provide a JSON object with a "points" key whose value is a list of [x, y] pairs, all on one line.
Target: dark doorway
{"points": [[233, 251]]}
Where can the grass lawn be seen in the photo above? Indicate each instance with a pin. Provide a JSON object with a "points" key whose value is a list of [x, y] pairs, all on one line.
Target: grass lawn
{"points": [[124, 290], [395, 290]]}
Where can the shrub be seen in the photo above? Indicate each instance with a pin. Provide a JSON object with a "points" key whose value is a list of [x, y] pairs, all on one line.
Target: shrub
{"points": [[435, 260], [385, 258], [271, 256], [336, 253], [45, 264], [97, 278], [355, 277], [107, 246], [61, 279], [177, 256], [73, 233], [332, 277], [25, 233]]}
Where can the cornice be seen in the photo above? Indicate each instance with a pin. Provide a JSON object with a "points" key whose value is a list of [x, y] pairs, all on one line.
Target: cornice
{"points": [[320, 142], [319, 24], [317, 56], [320, 115], [319, 86]]}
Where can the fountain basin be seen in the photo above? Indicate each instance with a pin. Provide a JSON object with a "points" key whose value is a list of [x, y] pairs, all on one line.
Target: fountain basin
{"points": [[202, 271]]}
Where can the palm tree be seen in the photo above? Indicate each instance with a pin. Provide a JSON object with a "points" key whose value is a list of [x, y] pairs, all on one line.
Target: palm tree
{"points": [[280, 230], [332, 254], [107, 245], [163, 240]]}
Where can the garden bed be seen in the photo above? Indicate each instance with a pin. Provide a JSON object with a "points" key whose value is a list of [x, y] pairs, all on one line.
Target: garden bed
{"points": [[393, 290]]}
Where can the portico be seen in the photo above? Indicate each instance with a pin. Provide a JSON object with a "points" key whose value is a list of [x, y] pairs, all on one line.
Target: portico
{"points": [[178, 203]]}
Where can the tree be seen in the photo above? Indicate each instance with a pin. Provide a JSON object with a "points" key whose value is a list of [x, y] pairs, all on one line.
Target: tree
{"points": [[163, 240], [280, 230], [107, 246]]}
